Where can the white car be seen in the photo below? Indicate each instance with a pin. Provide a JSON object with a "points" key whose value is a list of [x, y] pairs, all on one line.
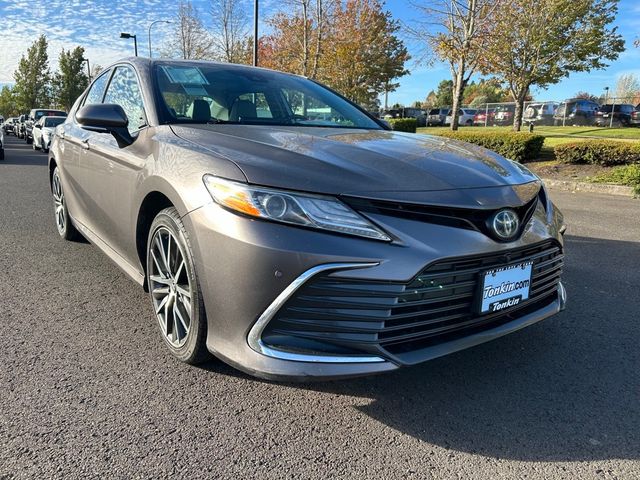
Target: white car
{"points": [[43, 132], [465, 116], [1, 144]]}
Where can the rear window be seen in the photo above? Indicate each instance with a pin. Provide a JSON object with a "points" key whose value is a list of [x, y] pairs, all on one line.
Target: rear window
{"points": [[434, 111], [53, 122]]}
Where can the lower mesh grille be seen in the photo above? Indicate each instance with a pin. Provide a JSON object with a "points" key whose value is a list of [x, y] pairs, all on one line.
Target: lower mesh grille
{"points": [[436, 306]]}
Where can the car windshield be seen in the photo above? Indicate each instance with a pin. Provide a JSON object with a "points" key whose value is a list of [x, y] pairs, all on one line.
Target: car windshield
{"points": [[201, 93], [53, 122]]}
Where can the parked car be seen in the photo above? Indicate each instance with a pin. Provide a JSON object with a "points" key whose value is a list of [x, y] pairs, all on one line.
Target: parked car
{"points": [[465, 116], [635, 116], [8, 126], [43, 131], [540, 113], [407, 112], [34, 116], [437, 116], [293, 251], [621, 115], [20, 125], [1, 144], [504, 114], [576, 111], [484, 117]]}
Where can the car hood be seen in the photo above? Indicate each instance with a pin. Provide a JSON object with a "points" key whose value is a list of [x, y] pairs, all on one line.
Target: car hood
{"points": [[377, 164]]}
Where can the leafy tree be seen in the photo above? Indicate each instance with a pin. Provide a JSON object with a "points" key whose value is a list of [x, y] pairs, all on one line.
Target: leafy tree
{"points": [[8, 105], [544, 41], [352, 46], [230, 29], [33, 76], [431, 100], [70, 80], [444, 94], [456, 32], [298, 38], [190, 39], [484, 91]]}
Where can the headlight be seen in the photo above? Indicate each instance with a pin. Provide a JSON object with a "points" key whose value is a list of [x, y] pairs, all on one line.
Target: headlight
{"points": [[315, 211]]}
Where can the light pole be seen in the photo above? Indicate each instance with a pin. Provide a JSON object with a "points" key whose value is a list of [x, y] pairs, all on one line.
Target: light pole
{"points": [[255, 33], [88, 68], [135, 41], [606, 94], [151, 25]]}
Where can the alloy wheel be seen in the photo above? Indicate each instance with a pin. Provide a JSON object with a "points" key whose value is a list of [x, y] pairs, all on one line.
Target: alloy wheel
{"points": [[170, 286], [58, 202]]}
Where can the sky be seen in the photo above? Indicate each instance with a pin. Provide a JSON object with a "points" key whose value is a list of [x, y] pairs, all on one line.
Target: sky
{"points": [[96, 25]]}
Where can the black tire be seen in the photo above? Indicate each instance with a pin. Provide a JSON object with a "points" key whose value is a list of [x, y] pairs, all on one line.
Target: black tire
{"points": [[193, 349], [33, 145], [65, 227]]}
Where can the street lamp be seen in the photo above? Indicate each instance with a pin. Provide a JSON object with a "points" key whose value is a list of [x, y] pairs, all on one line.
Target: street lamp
{"points": [[88, 68], [606, 95], [135, 41], [151, 25]]}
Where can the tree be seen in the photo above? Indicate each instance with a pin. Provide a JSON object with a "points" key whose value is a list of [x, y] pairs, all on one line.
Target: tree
{"points": [[587, 96], [352, 46], [33, 76], [484, 91], [190, 39], [297, 42], [456, 32], [364, 54], [230, 30], [444, 94], [70, 80], [8, 105], [544, 41], [627, 89]]}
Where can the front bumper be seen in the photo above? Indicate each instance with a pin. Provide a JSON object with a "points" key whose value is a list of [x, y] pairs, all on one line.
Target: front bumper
{"points": [[248, 269]]}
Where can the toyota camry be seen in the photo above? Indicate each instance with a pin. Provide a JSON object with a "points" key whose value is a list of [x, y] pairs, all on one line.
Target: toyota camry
{"points": [[281, 228]]}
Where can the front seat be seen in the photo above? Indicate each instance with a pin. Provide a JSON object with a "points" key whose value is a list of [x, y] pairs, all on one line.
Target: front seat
{"points": [[201, 111], [242, 109]]}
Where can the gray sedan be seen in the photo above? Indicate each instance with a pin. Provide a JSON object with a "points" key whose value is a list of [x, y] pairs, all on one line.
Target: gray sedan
{"points": [[281, 228]]}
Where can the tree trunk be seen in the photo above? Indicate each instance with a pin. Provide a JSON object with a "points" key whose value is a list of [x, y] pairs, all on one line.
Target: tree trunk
{"points": [[458, 89], [519, 97]]}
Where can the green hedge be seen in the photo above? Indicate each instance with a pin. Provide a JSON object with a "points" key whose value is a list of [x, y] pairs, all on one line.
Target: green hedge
{"points": [[403, 124], [521, 147], [598, 152]]}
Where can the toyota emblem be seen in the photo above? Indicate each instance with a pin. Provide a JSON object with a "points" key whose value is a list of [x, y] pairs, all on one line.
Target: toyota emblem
{"points": [[505, 224]]}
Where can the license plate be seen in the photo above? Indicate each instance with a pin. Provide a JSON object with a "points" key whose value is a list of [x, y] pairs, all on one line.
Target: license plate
{"points": [[606, 115], [505, 287]]}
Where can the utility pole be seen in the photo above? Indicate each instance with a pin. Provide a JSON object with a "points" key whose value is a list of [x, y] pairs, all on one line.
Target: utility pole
{"points": [[255, 33]]}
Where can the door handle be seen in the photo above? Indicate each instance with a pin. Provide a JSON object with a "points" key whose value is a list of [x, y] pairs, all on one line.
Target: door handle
{"points": [[85, 143]]}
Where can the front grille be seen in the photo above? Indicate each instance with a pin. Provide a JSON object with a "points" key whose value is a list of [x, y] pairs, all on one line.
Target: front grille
{"points": [[341, 315], [468, 218]]}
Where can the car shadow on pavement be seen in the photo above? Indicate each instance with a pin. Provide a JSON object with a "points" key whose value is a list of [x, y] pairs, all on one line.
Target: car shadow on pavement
{"points": [[566, 389]]}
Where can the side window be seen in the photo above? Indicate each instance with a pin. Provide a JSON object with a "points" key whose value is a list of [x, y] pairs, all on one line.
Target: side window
{"points": [[124, 90], [97, 89]]}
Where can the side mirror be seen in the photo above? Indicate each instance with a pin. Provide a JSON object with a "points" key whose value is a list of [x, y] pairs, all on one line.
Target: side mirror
{"points": [[38, 125], [106, 118]]}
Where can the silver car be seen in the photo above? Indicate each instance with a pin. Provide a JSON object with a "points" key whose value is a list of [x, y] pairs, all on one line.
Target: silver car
{"points": [[283, 229]]}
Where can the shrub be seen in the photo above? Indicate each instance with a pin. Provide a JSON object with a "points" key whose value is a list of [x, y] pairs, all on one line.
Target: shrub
{"points": [[521, 147], [625, 175], [404, 124], [598, 152]]}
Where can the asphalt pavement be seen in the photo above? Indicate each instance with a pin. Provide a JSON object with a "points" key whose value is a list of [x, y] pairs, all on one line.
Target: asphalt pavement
{"points": [[87, 389]]}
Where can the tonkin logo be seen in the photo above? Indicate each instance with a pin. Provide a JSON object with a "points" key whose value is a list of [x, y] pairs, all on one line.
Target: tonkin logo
{"points": [[505, 224]]}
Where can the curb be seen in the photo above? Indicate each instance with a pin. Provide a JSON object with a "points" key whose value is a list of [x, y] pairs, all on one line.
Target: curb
{"points": [[573, 186]]}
